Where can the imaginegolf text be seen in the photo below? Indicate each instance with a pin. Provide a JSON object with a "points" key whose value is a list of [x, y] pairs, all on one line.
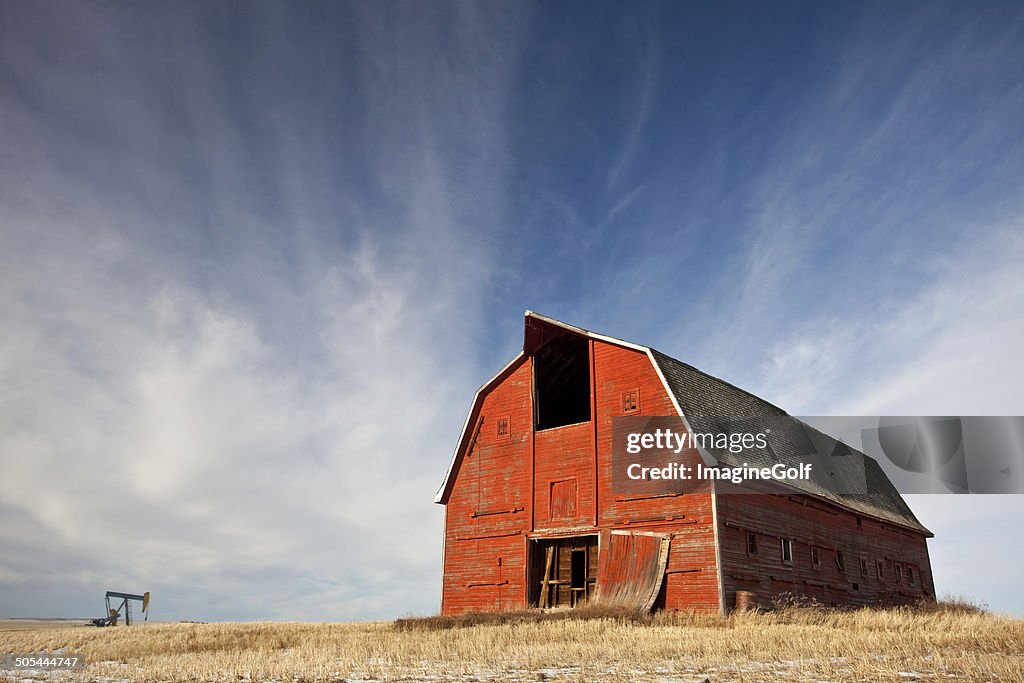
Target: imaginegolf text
{"points": [[736, 475]]}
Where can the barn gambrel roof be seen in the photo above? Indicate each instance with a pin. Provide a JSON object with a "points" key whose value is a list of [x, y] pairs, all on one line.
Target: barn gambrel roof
{"points": [[855, 482]]}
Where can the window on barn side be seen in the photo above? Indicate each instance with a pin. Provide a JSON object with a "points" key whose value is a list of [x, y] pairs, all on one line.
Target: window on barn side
{"points": [[815, 557], [840, 561], [631, 401], [751, 543], [910, 575], [878, 570], [503, 428], [787, 551], [899, 573], [561, 376], [863, 566]]}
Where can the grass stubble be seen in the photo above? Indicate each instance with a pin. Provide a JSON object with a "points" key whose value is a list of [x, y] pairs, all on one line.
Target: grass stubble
{"points": [[952, 642]]}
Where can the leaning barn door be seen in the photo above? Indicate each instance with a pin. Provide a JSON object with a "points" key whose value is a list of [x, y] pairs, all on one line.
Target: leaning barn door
{"points": [[631, 568]]}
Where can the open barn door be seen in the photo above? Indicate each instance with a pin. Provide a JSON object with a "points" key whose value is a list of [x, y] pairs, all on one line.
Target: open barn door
{"points": [[563, 571]]}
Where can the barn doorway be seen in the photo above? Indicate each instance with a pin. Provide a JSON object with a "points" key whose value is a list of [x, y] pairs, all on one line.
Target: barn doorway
{"points": [[563, 571], [578, 575]]}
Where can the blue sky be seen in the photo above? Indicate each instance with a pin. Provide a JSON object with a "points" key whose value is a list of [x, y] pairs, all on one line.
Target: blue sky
{"points": [[255, 259]]}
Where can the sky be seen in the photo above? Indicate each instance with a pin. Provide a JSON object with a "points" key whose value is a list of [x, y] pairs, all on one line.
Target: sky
{"points": [[256, 258]]}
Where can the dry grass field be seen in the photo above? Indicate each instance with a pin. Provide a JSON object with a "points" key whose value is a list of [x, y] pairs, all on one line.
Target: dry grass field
{"points": [[40, 624], [786, 645]]}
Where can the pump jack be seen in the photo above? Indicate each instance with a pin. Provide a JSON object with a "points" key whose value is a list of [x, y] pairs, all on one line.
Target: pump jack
{"points": [[114, 614]]}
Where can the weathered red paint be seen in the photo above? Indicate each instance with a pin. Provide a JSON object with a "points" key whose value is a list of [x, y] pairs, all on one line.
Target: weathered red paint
{"points": [[831, 530], [512, 485]]}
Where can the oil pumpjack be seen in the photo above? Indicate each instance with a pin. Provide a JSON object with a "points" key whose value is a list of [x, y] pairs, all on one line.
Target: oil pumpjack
{"points": [[113, 614]]}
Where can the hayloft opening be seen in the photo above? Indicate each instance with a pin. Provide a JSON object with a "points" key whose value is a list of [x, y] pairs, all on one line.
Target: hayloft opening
{"points": [[561, 379]]}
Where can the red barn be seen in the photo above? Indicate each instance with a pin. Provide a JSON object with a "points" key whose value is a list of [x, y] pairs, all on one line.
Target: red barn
{"points": [[532, 518]]}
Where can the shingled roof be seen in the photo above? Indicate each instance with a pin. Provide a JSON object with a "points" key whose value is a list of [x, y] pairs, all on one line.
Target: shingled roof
{"points": [[840, 474]]}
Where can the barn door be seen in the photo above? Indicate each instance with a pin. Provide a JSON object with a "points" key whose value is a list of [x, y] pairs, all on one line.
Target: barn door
{"points": [[632, 568]]}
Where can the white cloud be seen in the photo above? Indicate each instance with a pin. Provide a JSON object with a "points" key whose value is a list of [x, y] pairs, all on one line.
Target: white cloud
{"points": [[247, 412], [948, 349]]}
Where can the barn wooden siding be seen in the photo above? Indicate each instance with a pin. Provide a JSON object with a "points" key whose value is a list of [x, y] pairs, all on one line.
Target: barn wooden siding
{"points": [[489, 511], [691, 580], [812, 524], [502, 492]]}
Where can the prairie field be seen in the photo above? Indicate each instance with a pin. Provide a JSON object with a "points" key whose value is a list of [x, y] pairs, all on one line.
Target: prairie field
{"points": [[787, 645]]}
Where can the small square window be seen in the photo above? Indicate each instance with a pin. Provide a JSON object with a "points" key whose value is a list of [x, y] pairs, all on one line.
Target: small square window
{"points": [[631, 401], [787, 551], [815, 557], [840, 561], [751, 543], [503, 428]]}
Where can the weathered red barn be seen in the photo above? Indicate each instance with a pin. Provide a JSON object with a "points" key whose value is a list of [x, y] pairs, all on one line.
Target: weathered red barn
{"points": [[532, 518]]}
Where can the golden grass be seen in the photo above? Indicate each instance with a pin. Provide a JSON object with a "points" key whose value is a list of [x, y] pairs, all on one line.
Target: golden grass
{"points": [[786, 645]]}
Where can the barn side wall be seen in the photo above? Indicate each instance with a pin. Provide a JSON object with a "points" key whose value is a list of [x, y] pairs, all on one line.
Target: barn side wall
{"points": [[812, 523], [488, 512]]}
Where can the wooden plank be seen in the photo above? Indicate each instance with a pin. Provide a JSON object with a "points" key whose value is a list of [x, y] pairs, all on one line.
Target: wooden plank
{"points": [[486, 536], [477, 584], [488, 513], [549, 554]]}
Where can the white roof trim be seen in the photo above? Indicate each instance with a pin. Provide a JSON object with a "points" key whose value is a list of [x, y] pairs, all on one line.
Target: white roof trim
{"points": [[586, 333]]}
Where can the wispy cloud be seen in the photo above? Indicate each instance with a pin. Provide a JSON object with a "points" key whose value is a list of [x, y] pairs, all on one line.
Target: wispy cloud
{"points": [[237, 385], [905, 354], [639, 104]]}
